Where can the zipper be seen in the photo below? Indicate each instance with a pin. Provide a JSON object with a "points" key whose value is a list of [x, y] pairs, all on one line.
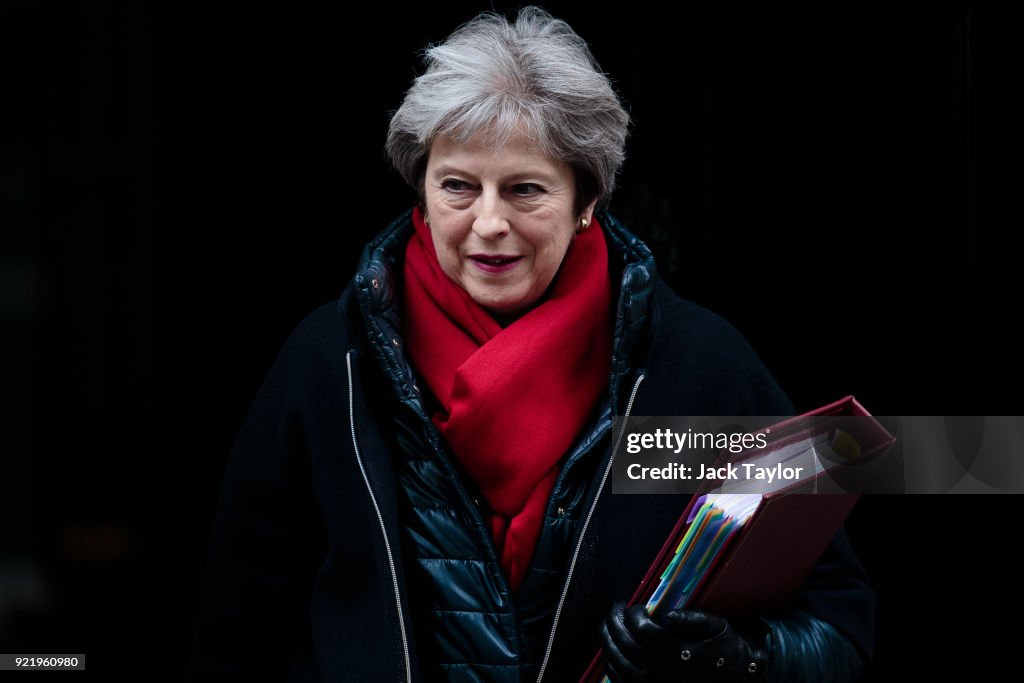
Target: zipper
{"points": [[583, 532], [380, 520]]}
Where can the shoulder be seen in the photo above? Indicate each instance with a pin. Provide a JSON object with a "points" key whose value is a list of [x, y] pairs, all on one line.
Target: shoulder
{"points": [[320, 341], [707, 334], [714, 368]]}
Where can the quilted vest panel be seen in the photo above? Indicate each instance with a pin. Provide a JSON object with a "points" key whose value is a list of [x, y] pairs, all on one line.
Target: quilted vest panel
{"points": [[467, 624]]}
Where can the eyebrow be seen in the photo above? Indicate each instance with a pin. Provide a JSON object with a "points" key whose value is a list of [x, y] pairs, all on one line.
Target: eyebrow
{"points": [[535, 174]]}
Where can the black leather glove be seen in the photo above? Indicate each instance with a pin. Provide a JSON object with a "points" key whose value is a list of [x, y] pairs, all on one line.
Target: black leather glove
{"points": [[684, 645]]}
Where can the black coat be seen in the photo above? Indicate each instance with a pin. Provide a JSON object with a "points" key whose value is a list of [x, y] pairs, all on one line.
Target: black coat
{"points": [[305, 559]]}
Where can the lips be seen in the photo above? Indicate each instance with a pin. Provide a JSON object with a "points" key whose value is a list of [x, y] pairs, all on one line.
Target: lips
{"points": [[495, 263]]}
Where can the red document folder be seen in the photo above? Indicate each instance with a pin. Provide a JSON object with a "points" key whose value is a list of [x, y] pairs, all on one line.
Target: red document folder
{"points": [[779, 545]]}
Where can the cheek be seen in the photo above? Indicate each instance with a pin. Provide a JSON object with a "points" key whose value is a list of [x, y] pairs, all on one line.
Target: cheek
{"points": [[442, 243], [552, 247], [447, 243]]}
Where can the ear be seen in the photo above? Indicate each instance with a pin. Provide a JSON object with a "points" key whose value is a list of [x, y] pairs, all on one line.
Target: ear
{"points": [[586, 217], [588, 211]]}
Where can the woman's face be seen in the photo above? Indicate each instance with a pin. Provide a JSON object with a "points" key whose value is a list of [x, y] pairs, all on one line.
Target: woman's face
{"points": [[501, 219]]}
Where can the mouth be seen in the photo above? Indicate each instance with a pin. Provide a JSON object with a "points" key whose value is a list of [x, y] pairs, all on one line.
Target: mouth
{"points": [[495, 263]]}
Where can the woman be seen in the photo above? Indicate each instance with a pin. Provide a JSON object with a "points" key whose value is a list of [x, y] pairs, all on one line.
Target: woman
{"points": [[419, 490]]}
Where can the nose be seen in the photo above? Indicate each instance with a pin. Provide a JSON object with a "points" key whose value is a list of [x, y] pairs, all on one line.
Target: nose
{"points": [[490, 221]]}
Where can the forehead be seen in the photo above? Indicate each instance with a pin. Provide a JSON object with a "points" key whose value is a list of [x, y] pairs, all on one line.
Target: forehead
{"points": [[480, 155]]}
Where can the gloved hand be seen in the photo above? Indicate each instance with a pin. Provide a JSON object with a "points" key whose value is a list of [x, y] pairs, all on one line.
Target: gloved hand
{"points": [[686, 645]]}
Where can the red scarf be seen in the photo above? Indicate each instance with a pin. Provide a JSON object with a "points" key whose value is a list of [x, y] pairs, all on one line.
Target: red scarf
{"points": [[514, 399]]}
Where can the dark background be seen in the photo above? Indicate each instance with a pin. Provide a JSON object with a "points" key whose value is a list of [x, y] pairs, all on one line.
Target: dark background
{"points": [[177, 190]]}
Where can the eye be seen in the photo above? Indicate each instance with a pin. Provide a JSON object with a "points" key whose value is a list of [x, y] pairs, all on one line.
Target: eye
{"points": [[527, 189], [453, 185]]}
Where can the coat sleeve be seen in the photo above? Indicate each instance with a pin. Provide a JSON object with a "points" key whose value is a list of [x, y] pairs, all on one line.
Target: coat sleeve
{"points": [[829, 624], [827, 630], [253, 612]]}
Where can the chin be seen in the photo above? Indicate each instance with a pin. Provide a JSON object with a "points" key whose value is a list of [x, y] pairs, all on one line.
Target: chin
{"points": [[504, 305]]}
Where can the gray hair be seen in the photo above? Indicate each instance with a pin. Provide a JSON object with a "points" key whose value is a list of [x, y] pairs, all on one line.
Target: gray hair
{"points": [[535, 76]]}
